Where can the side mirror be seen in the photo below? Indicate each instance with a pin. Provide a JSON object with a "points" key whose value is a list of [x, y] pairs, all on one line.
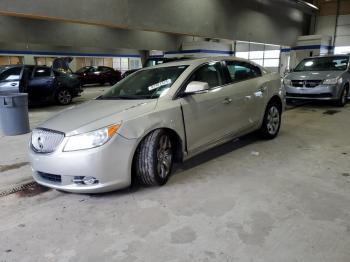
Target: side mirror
{"points": [[196, 87]]}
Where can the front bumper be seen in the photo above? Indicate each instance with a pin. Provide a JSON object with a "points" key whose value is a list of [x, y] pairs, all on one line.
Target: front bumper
{"points": [[321, 92], [110, 164]]}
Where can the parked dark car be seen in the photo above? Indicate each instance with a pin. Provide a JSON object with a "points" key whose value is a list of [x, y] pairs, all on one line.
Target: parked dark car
{"points": [[42, 83], [154, 61], [98, 75]]}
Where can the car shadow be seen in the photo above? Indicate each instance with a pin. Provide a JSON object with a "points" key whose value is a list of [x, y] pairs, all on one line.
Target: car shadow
{"points": [[216, 152], [198, 160]]}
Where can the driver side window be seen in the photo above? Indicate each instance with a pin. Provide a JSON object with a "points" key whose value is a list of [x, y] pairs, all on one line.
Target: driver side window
{"points": [[209, 73]]}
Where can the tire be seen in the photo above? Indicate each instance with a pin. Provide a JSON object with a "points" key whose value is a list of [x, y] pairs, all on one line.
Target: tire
{"points": [[272, 121], [64, 97], [154, 159], [343, 97]]}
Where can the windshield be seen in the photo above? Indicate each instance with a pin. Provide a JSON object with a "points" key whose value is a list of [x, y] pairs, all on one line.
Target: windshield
{"points": [[145, 84], [334, 63]]}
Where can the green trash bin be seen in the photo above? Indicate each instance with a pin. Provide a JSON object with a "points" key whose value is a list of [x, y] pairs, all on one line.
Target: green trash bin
{"points": [[14, 118]]}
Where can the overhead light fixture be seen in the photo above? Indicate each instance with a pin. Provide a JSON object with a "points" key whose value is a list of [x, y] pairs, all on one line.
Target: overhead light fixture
{"points": [[307, 4]]}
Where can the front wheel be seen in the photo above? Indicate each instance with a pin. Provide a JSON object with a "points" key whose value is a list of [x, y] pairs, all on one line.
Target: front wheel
{"points": [[272, 121], [64, 97], [343, 97], [154, 159]]}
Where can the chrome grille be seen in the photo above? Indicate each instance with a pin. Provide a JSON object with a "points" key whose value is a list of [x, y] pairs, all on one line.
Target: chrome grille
{"points": [[306, 83], [45, 140]]}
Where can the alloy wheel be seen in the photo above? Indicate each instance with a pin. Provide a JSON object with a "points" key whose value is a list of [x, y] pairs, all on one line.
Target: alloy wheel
{"points": [[164, 156], [64, 97], [273, 120]]}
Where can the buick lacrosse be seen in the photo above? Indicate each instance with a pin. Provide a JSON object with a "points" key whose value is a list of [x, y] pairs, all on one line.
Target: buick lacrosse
{"points": [[153, 118]]}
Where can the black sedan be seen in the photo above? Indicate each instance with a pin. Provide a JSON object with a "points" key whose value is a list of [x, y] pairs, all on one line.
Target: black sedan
{"points": [[42, 83], [98, 75]]}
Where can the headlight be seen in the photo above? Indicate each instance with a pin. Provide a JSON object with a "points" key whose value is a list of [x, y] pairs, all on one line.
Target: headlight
{"points": [[331, 81], [90, 140], [287, 82]]}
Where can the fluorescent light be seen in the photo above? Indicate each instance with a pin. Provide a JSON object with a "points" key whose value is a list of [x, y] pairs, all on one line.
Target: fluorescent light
{"points": [[307, 4]]}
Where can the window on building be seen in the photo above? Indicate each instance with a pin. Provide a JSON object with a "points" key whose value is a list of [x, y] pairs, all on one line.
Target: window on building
{"points": [[338, 50], [11, 60], [266, 55], [135, 63], [42, 60], [244, 55]]}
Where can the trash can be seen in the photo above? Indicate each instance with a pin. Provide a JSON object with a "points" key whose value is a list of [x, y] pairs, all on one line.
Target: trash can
{"points": [[14, 118]]}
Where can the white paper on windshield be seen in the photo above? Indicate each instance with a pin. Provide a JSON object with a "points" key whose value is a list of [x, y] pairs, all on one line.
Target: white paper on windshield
{"points": [[163, 83]]}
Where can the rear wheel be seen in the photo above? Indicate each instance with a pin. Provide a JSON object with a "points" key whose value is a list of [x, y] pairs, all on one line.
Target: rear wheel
{"points": [[343, 97], [272, 121], [64, 97], [154, 159]]}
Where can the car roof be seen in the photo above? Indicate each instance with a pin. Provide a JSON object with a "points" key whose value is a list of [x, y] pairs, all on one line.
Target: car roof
{"points": [[199, 61]]}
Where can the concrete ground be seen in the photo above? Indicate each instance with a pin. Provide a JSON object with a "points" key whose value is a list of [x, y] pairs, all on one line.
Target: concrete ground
{"points": [[249, 200]]}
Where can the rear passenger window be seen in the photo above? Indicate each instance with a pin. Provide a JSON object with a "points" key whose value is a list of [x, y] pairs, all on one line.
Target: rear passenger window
{"points": [[210, 73], [240, 71], [42, 72]]}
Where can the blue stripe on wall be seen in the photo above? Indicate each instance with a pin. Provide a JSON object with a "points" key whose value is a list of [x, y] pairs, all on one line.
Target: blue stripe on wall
{"points": [[285, 50], [25, 52], [307, 47]]}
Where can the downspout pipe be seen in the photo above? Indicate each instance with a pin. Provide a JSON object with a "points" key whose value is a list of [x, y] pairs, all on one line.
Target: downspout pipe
{"points": [[336, 22]]}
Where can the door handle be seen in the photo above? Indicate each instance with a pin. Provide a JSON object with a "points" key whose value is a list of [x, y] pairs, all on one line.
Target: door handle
{"points": [[227, 100], [13, 84]]}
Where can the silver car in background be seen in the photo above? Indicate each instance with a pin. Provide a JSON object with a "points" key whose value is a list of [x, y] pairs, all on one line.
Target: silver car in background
{"points": [[321, 78], [152, 118]]}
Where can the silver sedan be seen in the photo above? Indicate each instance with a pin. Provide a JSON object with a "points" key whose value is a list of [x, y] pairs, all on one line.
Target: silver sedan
{"points": [[153, 118]]}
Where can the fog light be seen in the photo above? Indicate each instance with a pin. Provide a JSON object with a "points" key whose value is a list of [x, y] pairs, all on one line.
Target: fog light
{"points": [[89, 180], [86, 180]]}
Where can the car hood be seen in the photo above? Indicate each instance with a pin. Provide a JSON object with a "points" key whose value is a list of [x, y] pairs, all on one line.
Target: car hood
{"points": [[313, 75], [96, 114]]}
